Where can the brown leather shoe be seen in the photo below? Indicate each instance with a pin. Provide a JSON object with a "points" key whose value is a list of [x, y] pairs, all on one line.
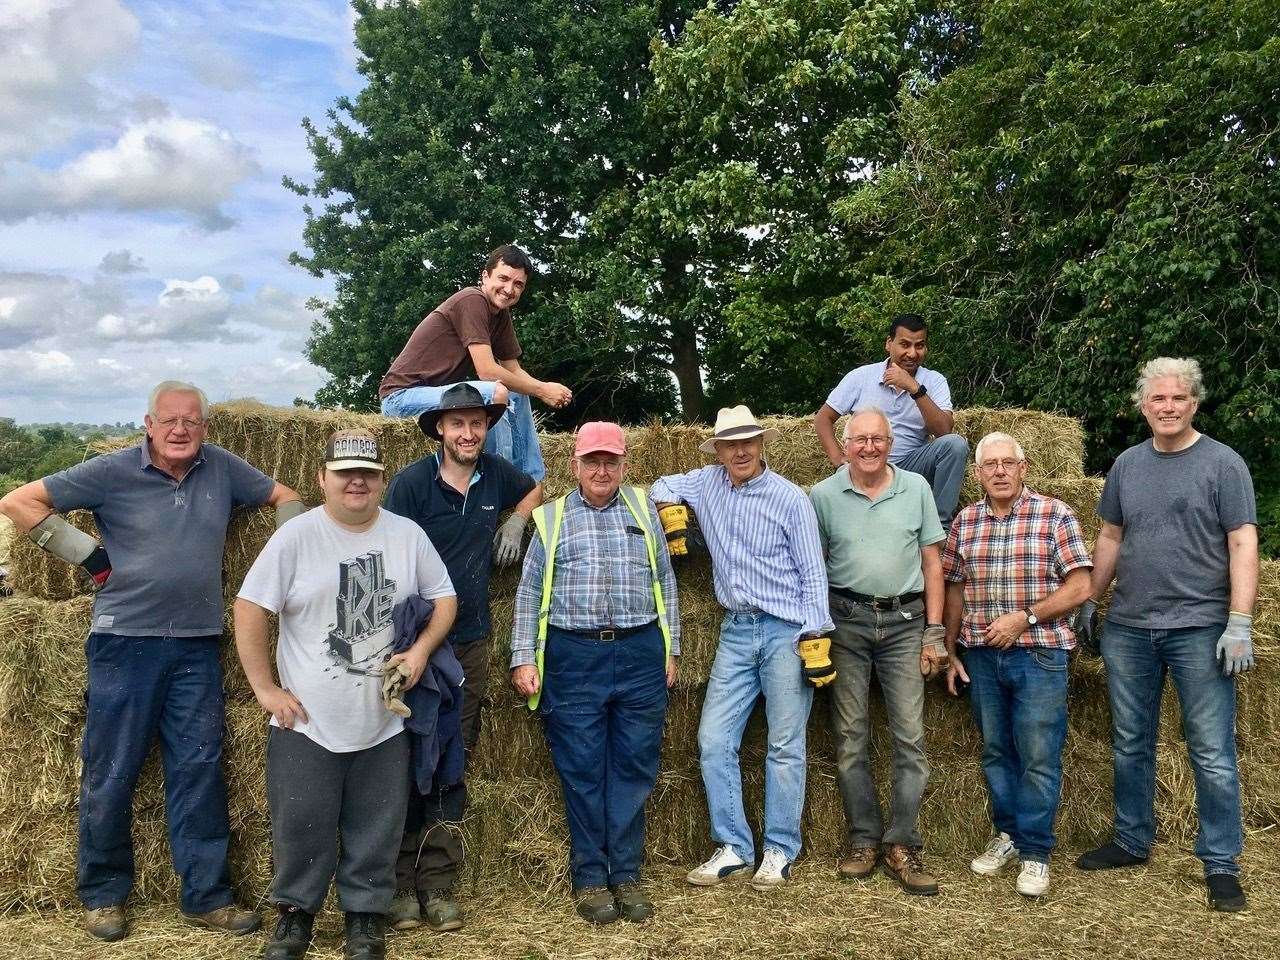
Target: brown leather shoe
{"points": [[904, 865], [229, 919], [860, 863], [105, 923]]}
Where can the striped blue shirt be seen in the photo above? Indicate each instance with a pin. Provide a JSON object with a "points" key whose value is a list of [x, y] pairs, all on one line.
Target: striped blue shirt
{"points": [[602, 576], [763, 538]]}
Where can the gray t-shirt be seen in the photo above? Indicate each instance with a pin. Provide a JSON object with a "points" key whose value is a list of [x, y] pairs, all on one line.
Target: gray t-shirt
{"points": [[1176, 510], [334, 590], [165, 537]]}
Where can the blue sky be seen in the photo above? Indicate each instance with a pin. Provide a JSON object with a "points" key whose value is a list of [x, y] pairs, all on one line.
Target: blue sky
{"points": [[144, 233]]}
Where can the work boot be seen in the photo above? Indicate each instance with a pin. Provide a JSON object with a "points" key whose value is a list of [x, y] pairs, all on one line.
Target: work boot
{"points": [[595, 905], [632, 903], [1107, 857], [292, 935], [405, 913], [1225, 893], [859, 864], [904, 865], [440, 911], [365, 937], [105, 923], [229, 919]]}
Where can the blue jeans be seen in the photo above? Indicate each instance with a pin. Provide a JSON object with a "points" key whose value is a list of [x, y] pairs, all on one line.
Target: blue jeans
{"points": [[603, 707], [513, 437], [756, 654], [942, 462], [1137, 661], [1019, 701], [141, 688]]}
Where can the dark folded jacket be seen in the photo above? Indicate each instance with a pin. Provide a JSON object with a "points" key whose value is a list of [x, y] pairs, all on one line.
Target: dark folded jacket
{"points": [[437, 757]]}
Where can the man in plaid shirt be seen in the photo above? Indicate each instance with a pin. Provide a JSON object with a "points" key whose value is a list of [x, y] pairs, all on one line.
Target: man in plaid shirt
{"points": [[1016, 565]]}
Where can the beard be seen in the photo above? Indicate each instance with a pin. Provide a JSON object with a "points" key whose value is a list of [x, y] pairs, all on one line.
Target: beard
{"points": [[452, 452]]}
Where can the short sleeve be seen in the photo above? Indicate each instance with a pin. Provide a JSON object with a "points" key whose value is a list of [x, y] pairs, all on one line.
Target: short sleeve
{"points": [[1070, 550], [940, 393], [266, 583], [930, 526], [952, 560], [513, 484], [1236, 504], [1109, 508], [82, 487], [470, 319], [845, 395], [433, 578], [399, 498], [504, 342], [249, 485]]}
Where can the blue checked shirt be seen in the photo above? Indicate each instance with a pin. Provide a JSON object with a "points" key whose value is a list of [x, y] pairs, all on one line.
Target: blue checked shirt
{"points": [[763, 538], [602, 576]]}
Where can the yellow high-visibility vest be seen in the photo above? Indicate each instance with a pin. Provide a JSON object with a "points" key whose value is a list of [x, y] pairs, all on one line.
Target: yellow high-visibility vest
{"points": [[546, 519]]}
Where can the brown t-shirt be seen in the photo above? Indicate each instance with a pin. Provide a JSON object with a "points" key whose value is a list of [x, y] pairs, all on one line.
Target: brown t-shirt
{"points": [[437, 355]]}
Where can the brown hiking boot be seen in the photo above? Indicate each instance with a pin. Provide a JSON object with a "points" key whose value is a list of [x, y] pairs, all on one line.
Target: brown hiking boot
{"points": [[105, 923], [903, 864], [860, 863], [229, 919]]}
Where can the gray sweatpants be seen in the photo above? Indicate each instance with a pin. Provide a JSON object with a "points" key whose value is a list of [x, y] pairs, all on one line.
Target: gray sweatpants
{"points": [[315, 796]]}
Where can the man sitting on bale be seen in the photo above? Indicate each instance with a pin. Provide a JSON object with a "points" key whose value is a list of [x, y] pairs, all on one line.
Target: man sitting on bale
{"points": [[337, 756], [917, 402], [881, 534], [1016, 564], [594, 642], [456, 496], [767, 564], [162, 509], [1180, 539], [470, 338]]}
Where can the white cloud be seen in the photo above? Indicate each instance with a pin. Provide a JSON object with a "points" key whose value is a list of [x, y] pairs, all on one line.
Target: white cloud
{"points": [[120, 262], [166, 163], [278, 309], [39, 305]]}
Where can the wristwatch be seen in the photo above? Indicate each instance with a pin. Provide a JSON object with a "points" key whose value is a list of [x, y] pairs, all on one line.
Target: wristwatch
{"points": [[920, 392], [1032, 619]]}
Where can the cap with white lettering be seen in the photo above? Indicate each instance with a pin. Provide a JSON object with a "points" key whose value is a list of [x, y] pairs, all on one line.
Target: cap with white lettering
{"points": [[352, 450]]}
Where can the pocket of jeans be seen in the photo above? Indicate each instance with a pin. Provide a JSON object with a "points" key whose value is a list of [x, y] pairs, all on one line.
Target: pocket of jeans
{"points": [[1053, 660], [912, 611], [840, 607]]}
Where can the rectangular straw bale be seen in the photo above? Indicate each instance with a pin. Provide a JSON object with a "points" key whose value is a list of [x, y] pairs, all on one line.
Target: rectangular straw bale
{"points": [[1054, 444]]}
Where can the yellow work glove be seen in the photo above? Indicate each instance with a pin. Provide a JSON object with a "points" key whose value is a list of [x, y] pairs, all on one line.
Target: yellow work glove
{"points": [[675, 522], [816, 654]]}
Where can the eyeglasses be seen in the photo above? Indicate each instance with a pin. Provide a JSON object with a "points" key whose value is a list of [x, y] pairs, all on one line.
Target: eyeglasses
{"points": [[595, 466], [991, 466], [171, 423], [868, 440]]}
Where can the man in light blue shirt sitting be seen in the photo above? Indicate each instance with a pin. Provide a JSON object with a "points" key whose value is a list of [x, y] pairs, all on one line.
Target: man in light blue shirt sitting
{"points": [[917, 403], [770, 577]]}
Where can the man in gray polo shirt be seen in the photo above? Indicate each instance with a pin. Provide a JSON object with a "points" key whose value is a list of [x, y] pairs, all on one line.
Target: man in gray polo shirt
{"points": [[881, 537], [917, 402], [162, 509]]}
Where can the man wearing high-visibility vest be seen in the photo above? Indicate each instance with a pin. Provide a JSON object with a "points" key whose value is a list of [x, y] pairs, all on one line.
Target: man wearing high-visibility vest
{"points": [[594, 643]]}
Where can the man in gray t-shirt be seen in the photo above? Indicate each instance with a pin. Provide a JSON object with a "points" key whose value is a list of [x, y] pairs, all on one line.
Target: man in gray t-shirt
{"points": [[162, 509], [1180, 538]]}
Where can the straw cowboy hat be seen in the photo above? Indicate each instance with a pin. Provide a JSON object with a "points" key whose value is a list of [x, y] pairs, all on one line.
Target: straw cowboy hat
{"points": [[735, 423]]}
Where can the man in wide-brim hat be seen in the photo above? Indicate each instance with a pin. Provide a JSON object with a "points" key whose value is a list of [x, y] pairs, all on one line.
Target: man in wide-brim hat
{"points": [[770, 577]]}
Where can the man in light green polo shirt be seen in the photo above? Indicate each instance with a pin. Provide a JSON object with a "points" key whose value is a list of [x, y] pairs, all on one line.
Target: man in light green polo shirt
{"points": [[881, 536]]}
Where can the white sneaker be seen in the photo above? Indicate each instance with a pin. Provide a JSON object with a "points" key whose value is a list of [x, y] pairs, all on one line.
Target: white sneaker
{"points": [[775, 870], [1000, 851], [1033, 881], [724, 864]]}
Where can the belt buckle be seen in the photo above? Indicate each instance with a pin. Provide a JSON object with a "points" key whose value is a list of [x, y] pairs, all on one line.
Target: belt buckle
{"points": [[606, 635]]}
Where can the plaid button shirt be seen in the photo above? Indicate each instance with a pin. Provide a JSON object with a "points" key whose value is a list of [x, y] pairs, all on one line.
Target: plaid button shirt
{"points": [[1008, 563]]}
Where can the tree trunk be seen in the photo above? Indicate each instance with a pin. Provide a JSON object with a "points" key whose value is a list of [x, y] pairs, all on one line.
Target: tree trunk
{"points": [[687, 366]]}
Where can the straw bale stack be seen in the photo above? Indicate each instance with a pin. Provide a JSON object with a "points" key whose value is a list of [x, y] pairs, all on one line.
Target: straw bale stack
{"points": [[515, 830]]}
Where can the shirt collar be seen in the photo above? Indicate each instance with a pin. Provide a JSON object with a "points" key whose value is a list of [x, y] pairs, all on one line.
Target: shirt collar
{"points": [[577, 492], [754, 481], [896, 481], [475, 474], [146, 460], [1018, 505]]}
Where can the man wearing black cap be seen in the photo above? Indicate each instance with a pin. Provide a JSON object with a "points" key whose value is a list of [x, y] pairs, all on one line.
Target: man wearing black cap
{"points": [[456, 495]]}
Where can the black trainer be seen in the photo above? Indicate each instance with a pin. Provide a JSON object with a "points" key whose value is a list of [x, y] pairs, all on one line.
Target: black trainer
{"points": [[1108, 857], [366, 937], [1225, 893], [292, 935]]}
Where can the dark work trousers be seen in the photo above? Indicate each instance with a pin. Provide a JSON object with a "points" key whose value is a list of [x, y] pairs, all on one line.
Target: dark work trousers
{"points": [[431, 851], [141, 688], [603, 707], [318, 798]]}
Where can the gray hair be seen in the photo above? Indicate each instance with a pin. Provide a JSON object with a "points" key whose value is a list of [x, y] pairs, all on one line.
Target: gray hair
{"points": [[1185, 369], [996, 437], [888, 427], [177, 386]]}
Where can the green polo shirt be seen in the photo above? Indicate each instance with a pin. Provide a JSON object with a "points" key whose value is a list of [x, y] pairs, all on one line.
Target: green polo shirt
{"points": [[873, 546]]}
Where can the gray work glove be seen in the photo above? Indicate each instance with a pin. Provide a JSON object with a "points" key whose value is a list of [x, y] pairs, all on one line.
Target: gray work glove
{"points": [[288, 510], [55, 535], [506, 543], [933, 651], [1087, 629], [393, 681], [1235, 646]]}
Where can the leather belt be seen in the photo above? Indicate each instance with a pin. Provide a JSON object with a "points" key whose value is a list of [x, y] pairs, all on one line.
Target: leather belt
{"points": [[609, 633], [877, 603]]}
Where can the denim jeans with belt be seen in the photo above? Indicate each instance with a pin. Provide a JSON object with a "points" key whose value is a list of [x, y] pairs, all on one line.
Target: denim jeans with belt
{"points": [[1019, 701], [888, 642], [513, 437], [603, 706], [756, 654], [1137, 661]]}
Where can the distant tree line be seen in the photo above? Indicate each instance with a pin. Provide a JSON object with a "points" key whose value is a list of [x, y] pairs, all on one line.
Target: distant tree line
{"points": [[28, 452]]}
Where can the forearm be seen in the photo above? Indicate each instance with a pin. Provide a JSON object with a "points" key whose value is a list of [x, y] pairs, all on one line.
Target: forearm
{"points": [[511, 375], [282, 494], [531, 501], [934, 586], [824, 422], [253, 646], [27, 505], [1242, 546], [437, 627], [1073, 591], [937, 421], [952, 615], [1105, 553]]}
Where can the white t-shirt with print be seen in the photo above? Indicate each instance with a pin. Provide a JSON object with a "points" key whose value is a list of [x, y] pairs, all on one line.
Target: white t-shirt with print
{"points": [[333, 590]]}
